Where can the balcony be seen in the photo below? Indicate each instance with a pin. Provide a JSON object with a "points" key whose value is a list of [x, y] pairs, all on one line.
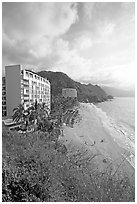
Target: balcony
{"points": [[3, 93], [4, 98], [3, 103], [25, 81], [26, 85]]}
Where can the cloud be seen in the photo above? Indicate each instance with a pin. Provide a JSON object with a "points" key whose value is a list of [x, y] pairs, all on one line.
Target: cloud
{"points": [[121, 76], [83, 42], [128, 5], [32, 35], [30, 28], [108, 29], [38, 19], [104, 30], [68, 60], [91, 42], [88, 9]]}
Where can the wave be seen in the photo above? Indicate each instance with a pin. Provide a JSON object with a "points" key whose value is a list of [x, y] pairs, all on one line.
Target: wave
{"points": [[123, 136], [132, 127]]}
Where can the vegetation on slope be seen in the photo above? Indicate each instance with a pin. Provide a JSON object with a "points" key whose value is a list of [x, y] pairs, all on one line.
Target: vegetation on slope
{"points": [[38, 167], [35, 168], [86, 93]]}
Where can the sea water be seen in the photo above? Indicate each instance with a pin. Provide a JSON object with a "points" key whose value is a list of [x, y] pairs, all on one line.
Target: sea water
{"points": [[118, 117]]}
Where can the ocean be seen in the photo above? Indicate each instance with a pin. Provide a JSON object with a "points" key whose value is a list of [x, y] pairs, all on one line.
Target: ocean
{"points": [[118, 118]]}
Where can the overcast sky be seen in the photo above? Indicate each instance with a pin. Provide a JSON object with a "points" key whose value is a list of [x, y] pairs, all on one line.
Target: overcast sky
{"points": [[91, 42]]}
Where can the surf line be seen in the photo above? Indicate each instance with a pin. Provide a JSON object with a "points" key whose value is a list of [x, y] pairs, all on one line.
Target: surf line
{"points": [[131, 163]]}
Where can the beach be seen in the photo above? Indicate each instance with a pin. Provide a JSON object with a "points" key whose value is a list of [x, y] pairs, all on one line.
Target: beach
{"points": [[89, 134]]}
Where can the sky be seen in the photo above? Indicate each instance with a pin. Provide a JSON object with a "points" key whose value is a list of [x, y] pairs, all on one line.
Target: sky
{"points": [[90, 42]]}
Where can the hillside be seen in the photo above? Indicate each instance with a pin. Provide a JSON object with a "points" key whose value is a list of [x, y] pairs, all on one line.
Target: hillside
{"points": [[85, 92]]}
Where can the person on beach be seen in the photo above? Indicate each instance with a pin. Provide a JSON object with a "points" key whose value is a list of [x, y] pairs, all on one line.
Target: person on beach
{"points": [[89, 145], [62, 132]]}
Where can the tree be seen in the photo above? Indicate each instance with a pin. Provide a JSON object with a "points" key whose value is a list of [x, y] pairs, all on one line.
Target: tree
{"points": [[19, 113], [37, 113]]}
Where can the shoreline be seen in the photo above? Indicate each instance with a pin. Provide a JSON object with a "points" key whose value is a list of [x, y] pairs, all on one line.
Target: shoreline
{"points": [[89, 134]]}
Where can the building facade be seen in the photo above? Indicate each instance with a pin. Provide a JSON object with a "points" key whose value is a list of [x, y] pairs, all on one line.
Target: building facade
{"points": [[25, 87], [69, 92], [4, 108]]}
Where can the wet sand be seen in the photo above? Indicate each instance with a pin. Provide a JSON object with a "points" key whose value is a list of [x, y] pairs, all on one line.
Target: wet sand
{"points": [[89, 134]]}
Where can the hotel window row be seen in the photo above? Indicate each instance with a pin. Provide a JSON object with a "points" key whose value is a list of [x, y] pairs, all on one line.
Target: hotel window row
{"points": [[24, 86], [4, 109]]}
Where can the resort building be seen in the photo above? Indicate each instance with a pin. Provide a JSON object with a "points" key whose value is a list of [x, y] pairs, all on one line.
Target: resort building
{"points": [[23, 87], [69, 92], [4, 109]]}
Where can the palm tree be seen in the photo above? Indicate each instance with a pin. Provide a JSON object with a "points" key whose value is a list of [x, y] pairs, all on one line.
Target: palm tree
{"points": [[45, 108], [37, 114], [19, 113]]}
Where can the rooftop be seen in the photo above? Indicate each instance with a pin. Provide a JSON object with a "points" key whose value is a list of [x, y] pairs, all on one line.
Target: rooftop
{"points": [[36, 74]]}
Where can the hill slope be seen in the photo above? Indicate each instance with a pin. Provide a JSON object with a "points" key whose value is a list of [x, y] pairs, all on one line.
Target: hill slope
{"points": [[85, 92]]}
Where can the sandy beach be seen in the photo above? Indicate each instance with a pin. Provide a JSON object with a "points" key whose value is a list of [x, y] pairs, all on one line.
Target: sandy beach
{"points": [[88, 133]]}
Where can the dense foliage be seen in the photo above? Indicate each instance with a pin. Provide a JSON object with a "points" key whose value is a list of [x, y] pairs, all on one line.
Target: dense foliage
{"points": [[35, 117], [38, 167]]}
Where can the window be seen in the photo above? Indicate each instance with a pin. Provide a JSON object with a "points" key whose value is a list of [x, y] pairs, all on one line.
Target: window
{"points": [[4, 113], [26, 100], [3, 98], [4, 93], [3, 81], [26, 95], [27, 74], [26, 85], [3, 102]]}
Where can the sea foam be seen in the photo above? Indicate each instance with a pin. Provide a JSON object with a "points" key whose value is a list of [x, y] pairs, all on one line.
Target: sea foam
{"points": [[121, 135]]}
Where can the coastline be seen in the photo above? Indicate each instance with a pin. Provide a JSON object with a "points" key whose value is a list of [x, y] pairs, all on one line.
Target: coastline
{"points": [[88, 133]]}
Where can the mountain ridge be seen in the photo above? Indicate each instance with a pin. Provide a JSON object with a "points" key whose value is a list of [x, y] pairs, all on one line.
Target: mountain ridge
{"points": [[86, 93]]}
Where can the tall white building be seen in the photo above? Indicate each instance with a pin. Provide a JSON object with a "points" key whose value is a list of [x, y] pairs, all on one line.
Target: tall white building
{"points": [[4, 108], [26, 87]]}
